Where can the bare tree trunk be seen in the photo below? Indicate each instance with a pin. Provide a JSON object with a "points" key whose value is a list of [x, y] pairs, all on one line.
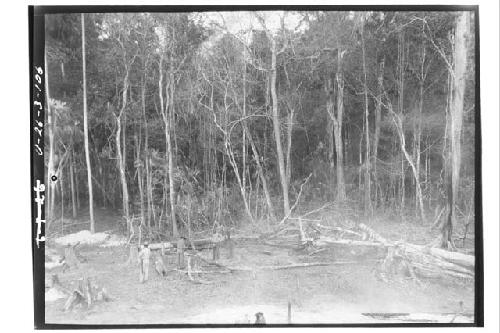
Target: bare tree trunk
{"points": [[50, 130], [288, 164], [428, 186], [337, 125], [399, 127], [61, 185], [276, 127], [171, 156], [166, 108], [119, 151], [397, 119], [86, 132], [330, 109], [77, 190], [367, 182], [360, 156], [149, 190], [124, 141], [72, 183], [262, 176], [417, 134], [243, 139], [103, 179], [121, 168], [232, 160], [140, 178], [378, 116], [401, 71], [455, 122]]}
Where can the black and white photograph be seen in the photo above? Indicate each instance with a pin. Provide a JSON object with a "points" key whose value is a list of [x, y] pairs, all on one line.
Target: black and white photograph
{"points": [[256, 167]]}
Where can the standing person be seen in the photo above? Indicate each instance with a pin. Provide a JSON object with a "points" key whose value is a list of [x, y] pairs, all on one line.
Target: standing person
{"points": [[144, 256]]}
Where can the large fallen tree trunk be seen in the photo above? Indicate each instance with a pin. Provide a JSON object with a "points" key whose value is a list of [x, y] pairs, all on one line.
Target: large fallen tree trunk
{"points": [[418, 260], [457, 258]]}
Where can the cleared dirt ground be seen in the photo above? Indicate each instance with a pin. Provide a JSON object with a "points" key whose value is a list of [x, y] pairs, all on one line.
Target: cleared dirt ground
{"points": [[340, 293]]}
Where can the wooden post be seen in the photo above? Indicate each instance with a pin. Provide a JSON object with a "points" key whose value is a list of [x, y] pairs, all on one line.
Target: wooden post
{"points": [[230, 245], [215, 252], [289, 312], [216, 241], [180, 253]]}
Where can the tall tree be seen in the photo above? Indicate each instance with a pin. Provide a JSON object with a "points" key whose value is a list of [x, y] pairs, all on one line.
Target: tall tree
{"points": [[337, 125], [458, 74], [275, 113], [367, 167], [86, 131], [50, 130]]}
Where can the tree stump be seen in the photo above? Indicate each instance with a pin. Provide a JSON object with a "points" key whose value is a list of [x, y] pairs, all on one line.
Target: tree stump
{"points": [[216, 240], [70, 258], [53, 281], [216, 252], [133, 257], [86, 293], [159, 264], [230, 245]]}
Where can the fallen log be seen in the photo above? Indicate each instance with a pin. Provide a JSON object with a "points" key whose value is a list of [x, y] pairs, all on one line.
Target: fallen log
{"points": [[184, 271], [279, 267], [307, 264], [423, 254], [458, 258], [430, 272], [204, 243], [372, 234], [427, 262], [322, 241], [292, 244], [338, 229], [201, 243]]}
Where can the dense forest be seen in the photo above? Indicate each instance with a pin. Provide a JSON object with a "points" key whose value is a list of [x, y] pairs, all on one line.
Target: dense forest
{"points": [[184, 122]]}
